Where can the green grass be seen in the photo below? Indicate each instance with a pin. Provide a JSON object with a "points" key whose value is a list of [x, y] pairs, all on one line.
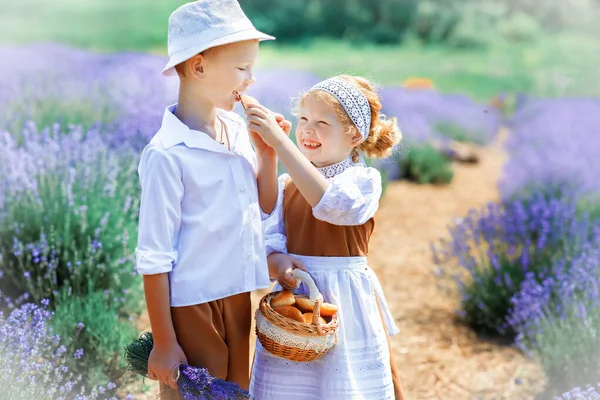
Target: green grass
{"points": [[556, 65], [106, 25]]}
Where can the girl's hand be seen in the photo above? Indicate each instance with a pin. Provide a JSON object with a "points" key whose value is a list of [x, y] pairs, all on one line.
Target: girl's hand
{"points": [[163, 364], [284, 124], [264, 122], [263, 149], [285, 265]]}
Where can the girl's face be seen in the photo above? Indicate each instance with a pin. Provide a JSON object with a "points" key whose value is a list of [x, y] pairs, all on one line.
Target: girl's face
{"points": [[321, 137]]}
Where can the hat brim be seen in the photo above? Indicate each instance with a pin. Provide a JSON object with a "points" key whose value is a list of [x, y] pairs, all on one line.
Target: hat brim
{"points": [[181, 56]]}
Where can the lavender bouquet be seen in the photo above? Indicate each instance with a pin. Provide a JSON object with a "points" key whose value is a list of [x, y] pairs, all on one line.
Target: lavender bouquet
{"points": [[194, 383]]}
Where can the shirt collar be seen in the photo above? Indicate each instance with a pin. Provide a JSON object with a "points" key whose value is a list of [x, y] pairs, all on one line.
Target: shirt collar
{"points": [[174, 132], [335, 169]]}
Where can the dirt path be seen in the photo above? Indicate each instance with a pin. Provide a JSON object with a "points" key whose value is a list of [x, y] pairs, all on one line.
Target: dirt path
{"points": [[438, 357]]}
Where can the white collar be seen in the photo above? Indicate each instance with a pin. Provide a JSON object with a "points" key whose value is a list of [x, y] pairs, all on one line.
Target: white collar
{"points": [[335, 169], [174, 132]]}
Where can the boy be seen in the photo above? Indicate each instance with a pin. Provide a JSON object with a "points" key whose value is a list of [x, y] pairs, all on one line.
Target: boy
{"points": [[204, 193]]}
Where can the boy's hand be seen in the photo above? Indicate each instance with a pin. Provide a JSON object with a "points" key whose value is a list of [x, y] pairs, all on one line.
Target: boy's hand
{"points": [[163, 361], [264, 122], [285, 265]]}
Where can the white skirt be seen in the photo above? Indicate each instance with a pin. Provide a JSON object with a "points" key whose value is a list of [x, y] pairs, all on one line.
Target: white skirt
{"points": [[358, 366]]}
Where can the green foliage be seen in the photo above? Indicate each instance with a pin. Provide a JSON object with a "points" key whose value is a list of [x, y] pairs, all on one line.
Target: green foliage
{"points": [[425, 164], [138, 352], [551, 64], [519, 27], [93, 323], [49, 111], [567, 348], [477, 25], [487, 301], [590, 206], [435, 20], [384, 21], [459, 133]]}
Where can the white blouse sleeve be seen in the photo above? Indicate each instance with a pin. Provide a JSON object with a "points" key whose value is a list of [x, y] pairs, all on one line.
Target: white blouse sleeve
{"points": [[274, 225], [352, 197]]}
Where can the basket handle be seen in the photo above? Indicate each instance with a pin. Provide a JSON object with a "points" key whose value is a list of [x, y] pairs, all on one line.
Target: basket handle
{"points": [[315, 297]]}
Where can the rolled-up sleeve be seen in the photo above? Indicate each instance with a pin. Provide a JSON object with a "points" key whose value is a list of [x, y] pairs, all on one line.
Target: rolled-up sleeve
{"points": [[160, 212], [274, 225], [352, 197]]}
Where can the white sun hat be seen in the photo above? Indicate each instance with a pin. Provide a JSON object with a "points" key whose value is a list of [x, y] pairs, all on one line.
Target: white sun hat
{"points": [[195, 27]]}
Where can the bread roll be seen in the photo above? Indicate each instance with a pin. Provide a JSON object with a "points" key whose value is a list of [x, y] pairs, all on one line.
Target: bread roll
{"points": [[304, 304], [290, 312], [308, 318], [247, 100], [284, 298]]}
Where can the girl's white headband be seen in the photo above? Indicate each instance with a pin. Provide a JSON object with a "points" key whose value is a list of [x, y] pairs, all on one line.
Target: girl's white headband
{"points": [[353, 101]]}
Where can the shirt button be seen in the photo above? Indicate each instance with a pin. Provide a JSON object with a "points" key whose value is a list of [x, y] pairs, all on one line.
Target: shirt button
{"points": [[231, 158], [242, 190]]}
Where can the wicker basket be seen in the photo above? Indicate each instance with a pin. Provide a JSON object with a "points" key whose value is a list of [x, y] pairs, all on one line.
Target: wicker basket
{"points": [[292, 340]]}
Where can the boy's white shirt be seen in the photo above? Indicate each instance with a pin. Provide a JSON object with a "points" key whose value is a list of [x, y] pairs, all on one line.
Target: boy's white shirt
{"points": [[200, 219]]}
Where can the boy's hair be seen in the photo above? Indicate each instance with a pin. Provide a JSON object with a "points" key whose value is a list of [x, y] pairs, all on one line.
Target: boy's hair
{"points": [[180, 68]]}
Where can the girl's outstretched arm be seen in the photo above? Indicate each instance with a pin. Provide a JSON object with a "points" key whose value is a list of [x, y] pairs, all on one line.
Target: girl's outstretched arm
{"points": [[311, 183]]}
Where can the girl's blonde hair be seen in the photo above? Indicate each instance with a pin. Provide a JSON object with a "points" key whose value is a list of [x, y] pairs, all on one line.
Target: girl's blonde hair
{"points": [[384, 132]]}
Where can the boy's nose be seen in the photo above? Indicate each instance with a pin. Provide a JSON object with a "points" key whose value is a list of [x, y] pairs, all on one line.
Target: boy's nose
{"points": [[250, 80]]}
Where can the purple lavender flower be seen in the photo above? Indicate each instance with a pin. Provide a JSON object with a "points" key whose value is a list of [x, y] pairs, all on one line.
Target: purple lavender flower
{"points": [[78, 354], [503, 246], [47, 178], [557, 314], [427, 114], [197, 384], [553, 147], [32, 361], [577, 393]]}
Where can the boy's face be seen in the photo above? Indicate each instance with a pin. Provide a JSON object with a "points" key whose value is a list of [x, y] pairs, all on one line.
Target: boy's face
{"points": [[227, 69]]}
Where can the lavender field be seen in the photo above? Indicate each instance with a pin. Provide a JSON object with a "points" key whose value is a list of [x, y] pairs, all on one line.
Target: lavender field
{"points": [[72, 124]]}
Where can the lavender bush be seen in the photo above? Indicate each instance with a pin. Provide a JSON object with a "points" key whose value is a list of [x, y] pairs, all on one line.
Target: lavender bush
{"points": [[427, 114], [557, 316], [498, 246], [578, 393], [123, 95], [67, 230], [553, 147], [69, 214], [425, 164], [33, 363], [97, 326]]}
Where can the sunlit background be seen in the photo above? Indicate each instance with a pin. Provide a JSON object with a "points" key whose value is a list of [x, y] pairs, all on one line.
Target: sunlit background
{"points": [[488, 235]]}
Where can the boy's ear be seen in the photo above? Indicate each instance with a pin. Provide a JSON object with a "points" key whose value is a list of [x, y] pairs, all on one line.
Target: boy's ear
{"points": [[197, 64]]}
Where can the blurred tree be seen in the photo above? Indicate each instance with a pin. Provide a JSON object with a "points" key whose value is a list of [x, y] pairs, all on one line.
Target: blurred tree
{"points": [[287, 20], [382, 21], [456, 22]]}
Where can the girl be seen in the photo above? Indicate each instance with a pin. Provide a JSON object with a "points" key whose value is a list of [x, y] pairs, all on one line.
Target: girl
{"points": [[323, 221]]}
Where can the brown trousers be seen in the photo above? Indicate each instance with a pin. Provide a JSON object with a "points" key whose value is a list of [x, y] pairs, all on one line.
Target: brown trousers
{"points": [[215, 336]]}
